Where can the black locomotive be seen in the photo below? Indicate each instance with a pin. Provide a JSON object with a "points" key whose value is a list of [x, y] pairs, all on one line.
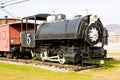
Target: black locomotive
{"points": [[64, 40]]}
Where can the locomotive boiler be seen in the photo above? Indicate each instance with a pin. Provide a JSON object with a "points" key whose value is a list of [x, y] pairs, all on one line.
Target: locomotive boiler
{"points": [[64, 40]]}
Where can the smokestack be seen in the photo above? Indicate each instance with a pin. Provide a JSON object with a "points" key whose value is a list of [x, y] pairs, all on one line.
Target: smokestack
{"points": [[6, 19]]}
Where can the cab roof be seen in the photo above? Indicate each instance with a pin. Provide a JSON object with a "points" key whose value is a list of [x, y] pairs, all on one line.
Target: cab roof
{"points": [[42, 17]]}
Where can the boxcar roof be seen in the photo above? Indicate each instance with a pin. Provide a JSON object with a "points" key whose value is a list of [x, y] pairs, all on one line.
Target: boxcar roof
{"points": [[16, 23], [42, 17]]}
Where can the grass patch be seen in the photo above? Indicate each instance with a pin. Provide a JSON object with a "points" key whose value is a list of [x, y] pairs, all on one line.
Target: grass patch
{"points": [[20, 72], [111, 63]]}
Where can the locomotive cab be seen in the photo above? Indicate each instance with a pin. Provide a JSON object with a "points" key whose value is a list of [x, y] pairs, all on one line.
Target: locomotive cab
{"points": [[28, 32]]}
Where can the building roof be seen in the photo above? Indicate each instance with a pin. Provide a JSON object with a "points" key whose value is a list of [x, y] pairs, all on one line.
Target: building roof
{"points": [[9, 19]]}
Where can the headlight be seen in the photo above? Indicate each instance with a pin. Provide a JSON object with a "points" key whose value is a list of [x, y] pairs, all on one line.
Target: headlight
{"points": [[93, 18]]}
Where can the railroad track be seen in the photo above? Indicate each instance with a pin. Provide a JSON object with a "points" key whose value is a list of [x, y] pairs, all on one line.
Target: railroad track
{"points": [[48, 65]]}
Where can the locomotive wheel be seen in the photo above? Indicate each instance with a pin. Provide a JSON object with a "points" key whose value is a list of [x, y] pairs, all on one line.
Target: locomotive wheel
{"points": [[14, 55], [2, 54], [36, 56], [62, 60], [77, 58], [8, 55], [61, 57], [43, 56]]}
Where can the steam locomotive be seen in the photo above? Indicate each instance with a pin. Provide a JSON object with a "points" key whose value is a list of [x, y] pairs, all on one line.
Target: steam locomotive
{"points": [[50, 37], [64, 40]]}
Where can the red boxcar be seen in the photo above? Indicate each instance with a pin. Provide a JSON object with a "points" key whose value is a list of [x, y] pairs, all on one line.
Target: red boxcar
{"points": [[9, 35]]}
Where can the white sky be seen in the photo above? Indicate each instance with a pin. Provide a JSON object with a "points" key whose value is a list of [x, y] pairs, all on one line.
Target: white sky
{"points": [[107, 10]]}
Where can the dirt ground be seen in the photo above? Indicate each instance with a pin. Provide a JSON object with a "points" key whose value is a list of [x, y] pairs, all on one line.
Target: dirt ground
{"points": [[111, 73], [114, 55]]}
